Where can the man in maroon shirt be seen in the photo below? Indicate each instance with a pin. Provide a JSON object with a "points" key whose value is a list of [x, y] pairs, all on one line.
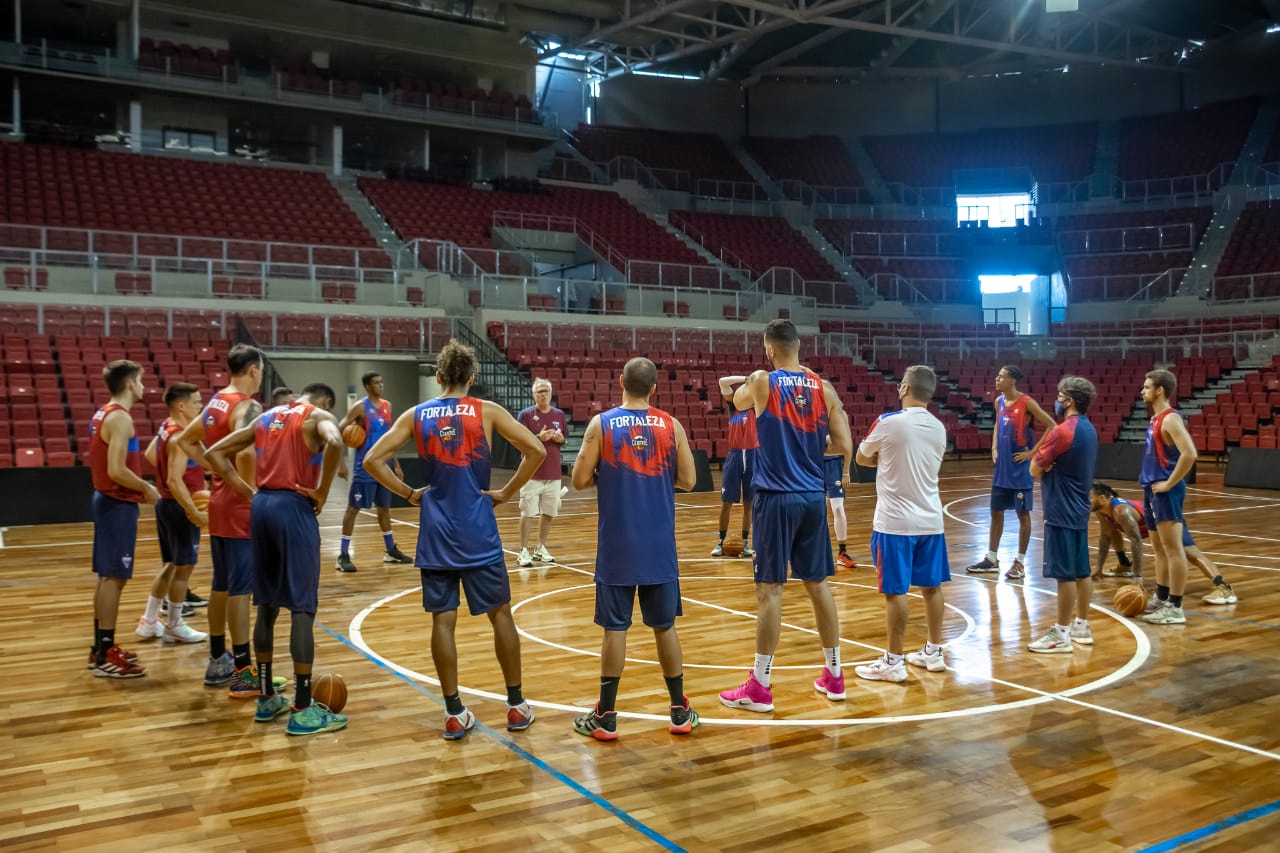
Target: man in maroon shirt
{"points": [[541, 495]]}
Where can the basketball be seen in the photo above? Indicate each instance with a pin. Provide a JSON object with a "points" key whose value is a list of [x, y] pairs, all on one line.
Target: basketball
{"points": [[733, 546], [330, 690], [353, 435], [201, 500], [1130, 600]]}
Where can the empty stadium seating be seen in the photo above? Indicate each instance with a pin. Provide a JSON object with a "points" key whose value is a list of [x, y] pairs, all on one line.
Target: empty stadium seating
{"points": [[760, 242], [1188, 143], [186, 59], [820, 163], [1255, 242], [684, 158]]}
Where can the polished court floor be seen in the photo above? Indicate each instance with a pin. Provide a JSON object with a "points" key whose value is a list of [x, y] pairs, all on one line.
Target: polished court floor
{"points": [[1155, 737]]}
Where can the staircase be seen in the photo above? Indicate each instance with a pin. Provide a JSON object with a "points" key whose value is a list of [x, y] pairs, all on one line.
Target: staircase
{"points": [[564, 145], [1106, 158], [368, 216], [503, 383], [871, 176], [756, 171], [1229, 201], [815, 238]]}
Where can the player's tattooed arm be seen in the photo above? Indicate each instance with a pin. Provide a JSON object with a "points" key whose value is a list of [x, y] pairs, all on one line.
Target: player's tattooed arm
{"points": [[249, 412]]}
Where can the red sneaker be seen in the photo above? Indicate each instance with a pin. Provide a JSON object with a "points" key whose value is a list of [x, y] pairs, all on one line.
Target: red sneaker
{"points": [[847, 561], [118, 665]]}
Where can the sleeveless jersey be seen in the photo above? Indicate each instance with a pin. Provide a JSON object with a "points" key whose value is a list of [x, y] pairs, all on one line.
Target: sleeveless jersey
{"points": [[283, 460], [636, 487], [228, 511], [1015, 433], [458, 529], [742, 430], [102, 481], [792, 431], [193, 475], [1161, 458], [377, 421], [1138, 507]]}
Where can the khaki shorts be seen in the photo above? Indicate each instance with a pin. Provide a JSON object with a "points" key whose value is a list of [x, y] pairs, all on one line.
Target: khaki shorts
{"points": [[540, 497]]}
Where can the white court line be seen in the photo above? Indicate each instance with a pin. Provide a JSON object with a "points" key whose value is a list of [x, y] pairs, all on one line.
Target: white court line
{"points": [[1212, 493]]}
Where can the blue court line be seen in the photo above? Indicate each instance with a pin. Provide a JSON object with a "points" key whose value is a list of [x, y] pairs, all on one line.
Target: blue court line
{"points": [[1213, 828], [570, 783]]}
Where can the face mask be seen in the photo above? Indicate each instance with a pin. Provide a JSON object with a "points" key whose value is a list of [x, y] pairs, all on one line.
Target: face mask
{"points": [[1059, 409]]}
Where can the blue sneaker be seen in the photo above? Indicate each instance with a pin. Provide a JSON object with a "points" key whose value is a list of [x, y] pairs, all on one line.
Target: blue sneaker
{"points": [[270, 707], [314, 719], [219, 671]]}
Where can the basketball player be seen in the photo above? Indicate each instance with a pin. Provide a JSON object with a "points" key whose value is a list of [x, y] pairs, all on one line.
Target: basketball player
{"points": [[1012, 446], [1169, 457], [458, 539], [833, 469], [540, 497], [637, 456], [735, 475], [1064, 466], [178, 521], [794, 409], [1117, 518], [907, 544], [118, 488], [281, 395], [298, 447], [373, 412], [229, 409]]}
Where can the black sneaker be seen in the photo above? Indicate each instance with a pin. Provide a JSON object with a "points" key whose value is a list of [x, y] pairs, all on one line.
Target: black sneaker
{"points": [[345, 564], [395, 555], [188, 610], [194, 600]]}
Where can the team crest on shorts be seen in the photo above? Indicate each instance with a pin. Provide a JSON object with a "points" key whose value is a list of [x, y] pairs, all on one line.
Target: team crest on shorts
{"points": [[1020, 495], [128, 561]]}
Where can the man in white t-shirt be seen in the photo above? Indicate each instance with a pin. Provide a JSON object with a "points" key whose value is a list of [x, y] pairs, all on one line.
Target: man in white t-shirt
{"points": [[906, 449]]}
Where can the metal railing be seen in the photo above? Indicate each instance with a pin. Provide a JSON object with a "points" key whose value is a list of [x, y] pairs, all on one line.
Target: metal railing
{"points": [[1127, 239], [1136, 287], [1162, 349], [1245, 288], [925, 291], [811, 195], [1061, 192], [908, 244], [785, 280], [1183, 186], [630, 339]]}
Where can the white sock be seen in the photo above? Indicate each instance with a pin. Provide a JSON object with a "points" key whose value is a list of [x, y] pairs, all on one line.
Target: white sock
{"points": [[1080, 623], [832, 657], [1022, 558], [1063, 630], [993, 557], [892, 659], [763, 669], [175, 614], [932, 649], [153, 608]]}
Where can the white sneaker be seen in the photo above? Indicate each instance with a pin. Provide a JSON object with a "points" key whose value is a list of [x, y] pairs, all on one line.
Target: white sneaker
{"points": [[153, 630], [544, 555], [1167, 615], [1081, 634], [1153, 604], [881, 670], [932, 662], [1052, 643], [1221, 595], [523, 559], [184, 633]]}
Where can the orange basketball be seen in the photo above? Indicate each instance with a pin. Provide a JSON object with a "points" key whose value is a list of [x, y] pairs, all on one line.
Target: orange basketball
{"points": [[1130, 600], [201, 500], [330, 690], [732, 546], [353, 435]]}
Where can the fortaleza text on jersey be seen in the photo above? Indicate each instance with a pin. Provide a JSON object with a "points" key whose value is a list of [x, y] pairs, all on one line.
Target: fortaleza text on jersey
{"points": [[636, 421], [433, 412]]}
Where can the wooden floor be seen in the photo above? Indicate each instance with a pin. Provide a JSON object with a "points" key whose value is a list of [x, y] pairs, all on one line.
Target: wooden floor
{"points": [[1151, 734]]}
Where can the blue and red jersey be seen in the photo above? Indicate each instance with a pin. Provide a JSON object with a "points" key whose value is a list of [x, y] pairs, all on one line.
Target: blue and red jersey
{"points": [[636, 485], [792, 431], [102, 481], [192, 475], [1161, 458], [458, 529], [742, 430], [377, 421], [228, 510], [1015, 433], [1137, 507], [1068, 456], [283, 461]]}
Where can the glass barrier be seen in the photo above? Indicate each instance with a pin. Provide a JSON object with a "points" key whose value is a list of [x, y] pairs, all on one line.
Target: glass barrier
{"points": [[1127, 239]]}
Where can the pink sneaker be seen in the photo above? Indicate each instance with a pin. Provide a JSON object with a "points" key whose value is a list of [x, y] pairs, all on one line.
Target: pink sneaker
{"points": [[831, 686], [751, 696]]}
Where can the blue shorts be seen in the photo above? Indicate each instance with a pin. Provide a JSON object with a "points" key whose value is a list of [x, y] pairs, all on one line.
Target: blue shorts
{"points": [[1066, 553], [1163, 507], [735, 479], [179, 538], [232, 564], [906, 561], [831, 472], [791, 527], [1187, 541], [115, 532], [487, 588], [659, 605], [286, 550], [1021, 500], [366, 493]]}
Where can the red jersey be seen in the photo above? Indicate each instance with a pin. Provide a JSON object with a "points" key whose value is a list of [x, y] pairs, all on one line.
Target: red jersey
{"points": [[193, 476], [102, 481], [742, 430], [228, 511], [284, 460]]}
